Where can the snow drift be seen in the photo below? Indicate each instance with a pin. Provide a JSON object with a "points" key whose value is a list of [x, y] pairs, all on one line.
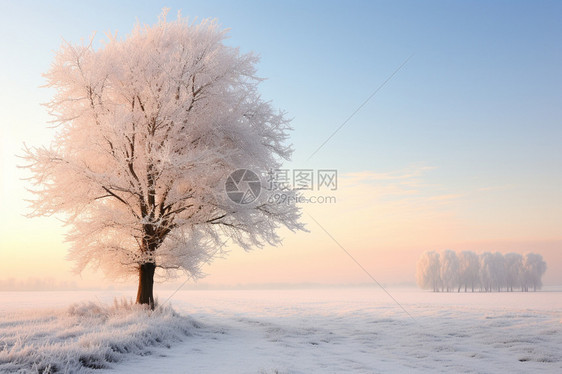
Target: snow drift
{"points": [[86, 336]]}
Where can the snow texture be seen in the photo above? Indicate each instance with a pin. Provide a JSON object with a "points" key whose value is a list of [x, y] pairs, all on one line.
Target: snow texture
{"points": [[85, 336], [298, 331]]}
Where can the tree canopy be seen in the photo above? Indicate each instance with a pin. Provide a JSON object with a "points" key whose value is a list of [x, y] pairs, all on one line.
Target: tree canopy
{"points": [[148, 129]]}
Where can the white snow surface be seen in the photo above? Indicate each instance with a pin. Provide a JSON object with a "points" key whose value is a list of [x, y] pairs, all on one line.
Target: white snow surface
{"points": [[340, 330], [84, 336]]}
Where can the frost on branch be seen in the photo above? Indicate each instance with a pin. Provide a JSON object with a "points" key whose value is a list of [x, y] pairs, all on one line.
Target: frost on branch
{"points": [[148, 129]]}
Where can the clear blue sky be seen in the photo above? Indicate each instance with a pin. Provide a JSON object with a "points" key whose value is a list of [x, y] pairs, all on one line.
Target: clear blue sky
{"points": [[480, 97], [480, 101]]}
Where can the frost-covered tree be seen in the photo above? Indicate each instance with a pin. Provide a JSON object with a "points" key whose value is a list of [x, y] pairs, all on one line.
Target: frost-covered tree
{"points": [[469, 268], [486, 269], [149, 128], [492, 271], [498, 271], [449, 269], [514, 270], [428, 273], [534, 268]]}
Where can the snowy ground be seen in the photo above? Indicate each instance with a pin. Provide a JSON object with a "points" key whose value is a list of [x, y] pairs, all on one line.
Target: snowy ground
{"points": [[356, 330]]}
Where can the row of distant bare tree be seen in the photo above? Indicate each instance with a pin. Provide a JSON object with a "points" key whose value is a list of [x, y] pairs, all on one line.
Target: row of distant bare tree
{"points": [[449, 271]]}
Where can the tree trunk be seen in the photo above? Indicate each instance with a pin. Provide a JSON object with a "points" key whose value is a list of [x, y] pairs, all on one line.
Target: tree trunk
{"points": [[146, 284]]}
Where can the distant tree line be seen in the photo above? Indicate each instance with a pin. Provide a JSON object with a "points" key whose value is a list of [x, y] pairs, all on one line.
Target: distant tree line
{"points": [[487, 272]]}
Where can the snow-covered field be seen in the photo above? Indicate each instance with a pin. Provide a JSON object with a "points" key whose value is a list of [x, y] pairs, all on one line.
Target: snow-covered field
{"points": [[354, 330]]}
